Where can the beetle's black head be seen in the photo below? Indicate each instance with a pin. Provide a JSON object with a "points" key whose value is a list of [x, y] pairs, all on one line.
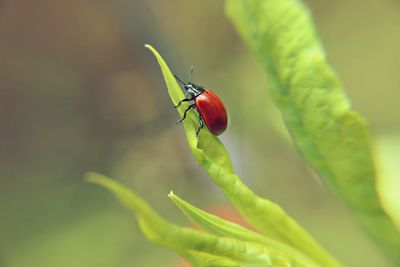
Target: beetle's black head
{"points": [[194, 89]]}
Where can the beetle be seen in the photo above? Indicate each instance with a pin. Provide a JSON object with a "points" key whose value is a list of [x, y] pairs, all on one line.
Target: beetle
{"points": [[208, 105]]}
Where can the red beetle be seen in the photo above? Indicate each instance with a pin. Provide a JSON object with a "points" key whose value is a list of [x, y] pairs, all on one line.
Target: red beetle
{"points": [[209, 106]]}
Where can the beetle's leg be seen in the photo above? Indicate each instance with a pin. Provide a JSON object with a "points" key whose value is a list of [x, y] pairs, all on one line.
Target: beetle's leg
{"points": [[183, 100], [201, 125], [184, 114]]}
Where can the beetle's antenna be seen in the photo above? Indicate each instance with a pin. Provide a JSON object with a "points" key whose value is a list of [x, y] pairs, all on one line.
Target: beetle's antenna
{"points": [[179, 80], [191, 73]]}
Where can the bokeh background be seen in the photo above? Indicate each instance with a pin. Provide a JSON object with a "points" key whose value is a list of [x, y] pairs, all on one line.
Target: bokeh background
{"points": [[79, 92]]}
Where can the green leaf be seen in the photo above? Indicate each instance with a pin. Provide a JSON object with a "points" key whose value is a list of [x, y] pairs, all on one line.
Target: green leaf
{"points": [[207, 260], [387, 147], [209, 144], [331, 137], [153, 225], [266, 216], [201, 249], [220, 227]]}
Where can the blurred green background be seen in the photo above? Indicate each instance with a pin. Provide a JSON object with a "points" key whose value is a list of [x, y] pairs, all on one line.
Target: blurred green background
{"points": [[79, 92]]}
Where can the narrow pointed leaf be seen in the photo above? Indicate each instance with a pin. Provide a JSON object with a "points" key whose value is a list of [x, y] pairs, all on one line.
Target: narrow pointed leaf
{"points": [[269, 218], [186, 241], [209, 143], [221, 227], [153, 225]]}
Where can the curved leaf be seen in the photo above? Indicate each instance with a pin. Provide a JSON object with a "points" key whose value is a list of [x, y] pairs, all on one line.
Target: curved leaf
{"points": [[201, 249], [209, 144], [207, 260], [266, 216], [221, 227], [332, 138]]}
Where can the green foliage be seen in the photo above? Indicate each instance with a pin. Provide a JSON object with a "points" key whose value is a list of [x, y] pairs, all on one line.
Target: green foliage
{"points": [[284, 242], [267, 217], [387, 148], [202, 249], [331, 137], [220, 227]]}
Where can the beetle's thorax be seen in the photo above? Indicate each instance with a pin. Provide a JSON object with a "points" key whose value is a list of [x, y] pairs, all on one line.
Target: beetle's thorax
{"points": [[194, 89]]}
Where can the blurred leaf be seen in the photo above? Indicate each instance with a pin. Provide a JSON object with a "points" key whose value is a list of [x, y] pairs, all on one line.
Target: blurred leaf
{"points": [[207, 260], [221, 227], [201, 249], [154, 227], [266, 216], [387, 148], [332, 138]]}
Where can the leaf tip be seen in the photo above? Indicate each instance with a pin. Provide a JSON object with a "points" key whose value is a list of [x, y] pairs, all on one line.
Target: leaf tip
{"points": [[90, 177], [171, 194], [97, 178], [150, 47]]}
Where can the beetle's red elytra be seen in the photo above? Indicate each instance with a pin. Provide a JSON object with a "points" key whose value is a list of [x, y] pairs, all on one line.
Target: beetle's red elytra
{"points": [[213, 111], [209, 106]]}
